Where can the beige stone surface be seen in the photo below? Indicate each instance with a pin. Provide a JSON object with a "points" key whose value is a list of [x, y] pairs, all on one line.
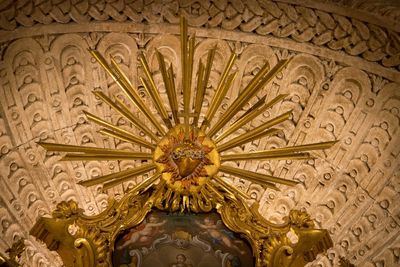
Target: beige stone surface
{"points": [[343, 84]]}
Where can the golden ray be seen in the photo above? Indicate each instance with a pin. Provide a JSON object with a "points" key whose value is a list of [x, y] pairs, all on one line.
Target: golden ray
{"points": [[255, 133], [257, 83], [256, 177], [146, 183], [171, 79], [257, 105], [126, 87], [119, 72], [151, 89], [118, 131], [110, 156], [122, 105], [78, 149], [198, 102], [202, 85], [190, 62], [232, 190], [213, 190], [251, 114], [185, 69], [250, 156], [120, 180], [119, 176], [123, 110], [221, 91], [157, 104], [245, 138], [126, 138], [168, 87], [139, 103], [300, 148], [290, 152]]}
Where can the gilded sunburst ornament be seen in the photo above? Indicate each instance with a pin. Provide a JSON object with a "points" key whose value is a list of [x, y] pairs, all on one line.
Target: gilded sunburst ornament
{"points": [[186, 157]]}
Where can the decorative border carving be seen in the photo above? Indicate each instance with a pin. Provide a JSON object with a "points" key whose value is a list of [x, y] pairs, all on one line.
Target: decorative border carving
{"points": [[302, 24], [89, 241]]}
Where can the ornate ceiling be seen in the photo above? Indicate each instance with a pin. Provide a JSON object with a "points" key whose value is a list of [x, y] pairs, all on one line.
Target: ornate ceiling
{"points": [[343, 83]]}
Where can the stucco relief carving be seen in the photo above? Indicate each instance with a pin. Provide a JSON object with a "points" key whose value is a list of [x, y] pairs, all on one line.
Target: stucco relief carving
{"points": [[352, 191], [294, 21]]}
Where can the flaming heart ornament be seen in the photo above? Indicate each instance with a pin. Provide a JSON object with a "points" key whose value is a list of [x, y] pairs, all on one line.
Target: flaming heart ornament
{"points": [[186, 161]]}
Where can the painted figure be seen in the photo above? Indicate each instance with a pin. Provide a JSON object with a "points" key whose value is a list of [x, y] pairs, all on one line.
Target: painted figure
{"points": [[216, 232], [145, 233], [181, 261]]}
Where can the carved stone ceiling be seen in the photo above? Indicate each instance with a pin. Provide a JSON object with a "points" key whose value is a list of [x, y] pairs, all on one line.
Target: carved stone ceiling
{"points": [[343, 84]]}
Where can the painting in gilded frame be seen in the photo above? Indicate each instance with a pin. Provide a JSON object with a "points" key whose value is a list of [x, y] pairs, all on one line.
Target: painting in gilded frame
{"points": [[181, 240]]}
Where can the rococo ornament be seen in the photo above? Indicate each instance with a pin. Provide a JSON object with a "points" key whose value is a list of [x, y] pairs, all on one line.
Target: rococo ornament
{"points": [[184, 159]]}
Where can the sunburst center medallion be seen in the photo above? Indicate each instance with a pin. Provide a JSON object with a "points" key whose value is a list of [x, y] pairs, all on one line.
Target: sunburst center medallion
{"points": [[186, 161]]}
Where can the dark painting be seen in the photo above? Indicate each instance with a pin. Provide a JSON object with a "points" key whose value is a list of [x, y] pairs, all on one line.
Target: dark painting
{"points": [[181, 240]]}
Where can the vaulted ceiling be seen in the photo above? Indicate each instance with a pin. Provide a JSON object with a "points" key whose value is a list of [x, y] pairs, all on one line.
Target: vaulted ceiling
{"points": [[343, 84]]}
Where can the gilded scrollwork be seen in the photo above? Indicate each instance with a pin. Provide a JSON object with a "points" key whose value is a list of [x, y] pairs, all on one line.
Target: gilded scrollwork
{"points": [[92, 237], [14, 254], [66, 209]]}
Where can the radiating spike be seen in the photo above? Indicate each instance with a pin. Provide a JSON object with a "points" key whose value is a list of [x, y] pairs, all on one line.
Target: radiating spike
{"points": [[168, 86], [213, 190], [199, 93], [118, 70], [248, 117], [300, 148], [173, 94], [245, 138], [126, 174], [127, 89], [124, 111], [266, 156], [225, 89], [256, 177], [127, 138], [120, 180], [210, 60], [151, 89], [100, 59], [78, 149], [139, 103], [232, 190], [184, 60], [242, 98], [257, 83], [190, 62], [119, 131], [143, 185], [257, 105], [221, 90], [255, 133], [127, 155], [262, 103]]}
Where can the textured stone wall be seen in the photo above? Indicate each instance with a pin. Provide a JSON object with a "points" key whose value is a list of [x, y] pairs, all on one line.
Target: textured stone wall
{"points": [[343, 84]]}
